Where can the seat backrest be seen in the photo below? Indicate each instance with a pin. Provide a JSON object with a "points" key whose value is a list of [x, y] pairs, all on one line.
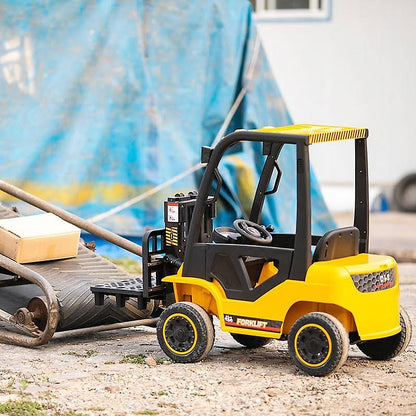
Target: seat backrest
{"points": [[338, 243]]}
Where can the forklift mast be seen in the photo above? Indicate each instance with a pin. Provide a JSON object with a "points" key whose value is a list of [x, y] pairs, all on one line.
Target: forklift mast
{"points": [[164, 249], [178, 211]]}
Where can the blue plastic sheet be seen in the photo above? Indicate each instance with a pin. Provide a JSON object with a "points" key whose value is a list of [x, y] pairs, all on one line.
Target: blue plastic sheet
{"points": [[103, 100]]}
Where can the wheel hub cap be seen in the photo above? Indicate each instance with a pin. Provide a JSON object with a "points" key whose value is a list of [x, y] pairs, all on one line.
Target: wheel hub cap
{"points": [[179, 334], [312, 345]]}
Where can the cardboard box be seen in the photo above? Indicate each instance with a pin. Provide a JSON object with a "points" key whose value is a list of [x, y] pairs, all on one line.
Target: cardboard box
{"points": [[38, 238]]}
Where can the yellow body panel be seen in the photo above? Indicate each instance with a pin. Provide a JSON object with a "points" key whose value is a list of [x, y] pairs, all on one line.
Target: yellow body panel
{"points": [[328, 287], [319, 134], [268, 270]]}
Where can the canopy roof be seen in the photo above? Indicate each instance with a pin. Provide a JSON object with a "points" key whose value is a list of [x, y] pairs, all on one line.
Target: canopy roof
{"points": [[320, 134]]}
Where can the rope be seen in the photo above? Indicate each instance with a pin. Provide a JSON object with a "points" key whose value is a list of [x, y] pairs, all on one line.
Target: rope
{"points": [[247, 81]]}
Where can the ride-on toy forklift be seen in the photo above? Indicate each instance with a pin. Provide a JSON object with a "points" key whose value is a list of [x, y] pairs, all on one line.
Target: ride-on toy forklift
{"points": [[319, 293]]}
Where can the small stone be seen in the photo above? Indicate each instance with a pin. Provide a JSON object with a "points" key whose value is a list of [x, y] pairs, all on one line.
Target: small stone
{"points": [[150, 361], [112, 389]]}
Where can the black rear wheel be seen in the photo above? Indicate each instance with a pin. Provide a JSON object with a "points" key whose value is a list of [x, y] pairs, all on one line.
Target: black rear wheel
{"points": [[389, 347], [318, 343], [251, 341]]}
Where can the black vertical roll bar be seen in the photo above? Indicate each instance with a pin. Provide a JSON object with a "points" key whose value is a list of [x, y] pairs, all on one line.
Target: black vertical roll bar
{"points": [[302, 257], [266, 174], [361, 210]]}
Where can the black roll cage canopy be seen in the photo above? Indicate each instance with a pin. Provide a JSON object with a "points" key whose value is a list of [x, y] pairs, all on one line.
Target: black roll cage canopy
{"points": [[273, 140]]}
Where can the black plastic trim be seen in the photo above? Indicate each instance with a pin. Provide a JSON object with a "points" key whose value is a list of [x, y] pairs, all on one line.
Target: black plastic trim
{"points": [[269, 166], [361, 212], [234, 253], [302, 257]]}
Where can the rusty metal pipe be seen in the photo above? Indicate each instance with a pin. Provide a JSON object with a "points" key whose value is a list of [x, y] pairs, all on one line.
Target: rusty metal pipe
{"points": [[109, 327], [51, 303], [71, 218]]}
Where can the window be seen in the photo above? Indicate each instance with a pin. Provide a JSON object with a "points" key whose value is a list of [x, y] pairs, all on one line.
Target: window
{"points": [[291, 10]]}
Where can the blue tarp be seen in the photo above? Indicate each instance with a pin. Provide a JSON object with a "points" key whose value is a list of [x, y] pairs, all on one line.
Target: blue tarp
{"points": [[101, 101]]}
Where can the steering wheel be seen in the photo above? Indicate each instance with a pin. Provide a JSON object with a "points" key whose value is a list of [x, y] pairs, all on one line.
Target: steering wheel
{"points": [[253, 232]]}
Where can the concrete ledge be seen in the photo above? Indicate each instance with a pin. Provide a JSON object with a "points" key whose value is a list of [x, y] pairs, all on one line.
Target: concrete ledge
{"points": [[391, 233]]}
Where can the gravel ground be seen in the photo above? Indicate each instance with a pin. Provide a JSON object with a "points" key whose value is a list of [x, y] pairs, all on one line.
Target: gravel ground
{"points": [[125, 373]]}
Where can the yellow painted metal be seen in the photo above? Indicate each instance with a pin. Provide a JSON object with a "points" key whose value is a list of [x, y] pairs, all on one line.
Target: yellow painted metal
{"points": [[319, 134], [328, 288], [268, 270]]}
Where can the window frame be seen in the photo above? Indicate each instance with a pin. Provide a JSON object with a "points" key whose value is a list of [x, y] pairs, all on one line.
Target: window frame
{"points": [[312, 14]]}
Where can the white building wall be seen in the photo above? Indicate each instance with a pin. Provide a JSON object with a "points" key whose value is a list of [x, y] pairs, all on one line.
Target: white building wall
{"points": [[357, 69]]}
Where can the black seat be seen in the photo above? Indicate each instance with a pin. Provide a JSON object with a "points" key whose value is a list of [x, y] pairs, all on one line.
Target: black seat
{"points": [[338, 243]]}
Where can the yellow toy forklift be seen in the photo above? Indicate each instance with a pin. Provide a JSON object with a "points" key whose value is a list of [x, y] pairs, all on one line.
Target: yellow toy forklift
{"points": [[320, 293]]}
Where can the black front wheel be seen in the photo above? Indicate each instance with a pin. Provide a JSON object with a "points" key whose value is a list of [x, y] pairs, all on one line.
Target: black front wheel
{"points": [[389, 347], [318, 344], [185, 332]]}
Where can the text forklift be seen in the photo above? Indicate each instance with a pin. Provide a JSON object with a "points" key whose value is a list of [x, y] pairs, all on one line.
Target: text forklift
{"points": [[265, 285]]}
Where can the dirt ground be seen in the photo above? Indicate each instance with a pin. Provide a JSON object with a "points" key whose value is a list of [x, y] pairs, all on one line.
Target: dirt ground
{"points": [[125, 373]]}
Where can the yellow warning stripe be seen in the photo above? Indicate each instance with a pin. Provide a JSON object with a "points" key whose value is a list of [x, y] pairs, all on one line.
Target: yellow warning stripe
{"points": [[171, 236]]}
